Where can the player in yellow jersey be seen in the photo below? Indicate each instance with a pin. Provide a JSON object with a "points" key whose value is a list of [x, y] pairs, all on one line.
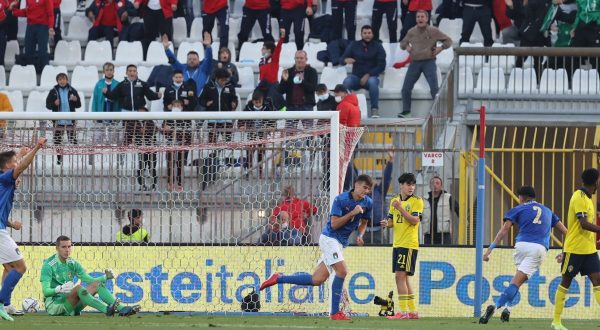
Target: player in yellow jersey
{"points": [[404, 216], [580, 254]]}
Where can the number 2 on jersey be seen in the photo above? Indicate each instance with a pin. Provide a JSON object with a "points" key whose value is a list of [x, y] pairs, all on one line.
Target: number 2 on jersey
{"points": [[537, 220]]}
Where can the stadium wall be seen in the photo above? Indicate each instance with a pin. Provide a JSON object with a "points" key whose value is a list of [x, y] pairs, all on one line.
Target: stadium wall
{"points": [[216, 278]]}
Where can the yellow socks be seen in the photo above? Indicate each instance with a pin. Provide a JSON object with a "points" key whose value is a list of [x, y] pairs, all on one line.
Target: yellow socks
{"points": [[561, 294]]}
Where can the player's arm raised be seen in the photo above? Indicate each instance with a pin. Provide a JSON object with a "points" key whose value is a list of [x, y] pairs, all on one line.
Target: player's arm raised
{"points": [[499, 237], [28, 158], [339, 222]]}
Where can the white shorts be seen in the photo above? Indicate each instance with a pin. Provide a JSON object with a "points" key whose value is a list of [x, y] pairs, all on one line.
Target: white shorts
{"points": [[528, 257], [9, 251], [331, 251]]}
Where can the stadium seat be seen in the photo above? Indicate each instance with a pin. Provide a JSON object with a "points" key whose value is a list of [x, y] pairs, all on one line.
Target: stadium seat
{"points": [[237, 9], [504, 62], [21, 27], [82, 97], [144, 72], [36, 101], [452, 28], [129, 53], [2, 77], [444, 59], [522, 81], [16, 100], [465, 80], [235, 25], [84, 78], [476, 36], [333, 76], [288, 52], [364, 9], [67, 53], [312, 49], [97, 53], [22, 78], [79, 27], [362, 105], [157, 105], [554, 82], [472, 61], [196, 30], [392, 81], [490, 80], [246, 80], [187, 46], [179, 31], [68, 9], [120, 72], [250, 53], [48, 78], [156, 54], [586, 82], [12, 49]]}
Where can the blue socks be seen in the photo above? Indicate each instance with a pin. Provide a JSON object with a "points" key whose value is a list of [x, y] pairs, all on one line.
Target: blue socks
{"points": [[336, 294], [299, 279], [507, 295], [8, 286]]}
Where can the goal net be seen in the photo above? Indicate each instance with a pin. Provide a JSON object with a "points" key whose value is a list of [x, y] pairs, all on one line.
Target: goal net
{"points": [[226, 200]]}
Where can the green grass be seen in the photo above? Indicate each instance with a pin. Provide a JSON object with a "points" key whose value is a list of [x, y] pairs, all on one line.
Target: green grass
{"points": [[167, 322]]}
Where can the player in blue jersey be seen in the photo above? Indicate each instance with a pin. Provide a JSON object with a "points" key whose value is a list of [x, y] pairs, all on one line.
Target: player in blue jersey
{"points": [[11, 167], [350, 211], [535, 223]]}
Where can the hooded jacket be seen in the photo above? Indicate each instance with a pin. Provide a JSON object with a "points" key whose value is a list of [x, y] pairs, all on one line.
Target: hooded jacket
{"points": [[131, 94], [349, 111]]}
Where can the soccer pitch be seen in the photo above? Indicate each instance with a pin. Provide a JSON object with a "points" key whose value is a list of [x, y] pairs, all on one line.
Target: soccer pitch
{"points": [[166, 322]]}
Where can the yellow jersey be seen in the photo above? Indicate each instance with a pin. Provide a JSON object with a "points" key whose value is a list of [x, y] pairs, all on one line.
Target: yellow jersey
{"points": [[406, 235], [579, 240]]}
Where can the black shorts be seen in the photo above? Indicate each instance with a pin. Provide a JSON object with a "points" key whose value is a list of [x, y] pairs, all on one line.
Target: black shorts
{"points": [[584, 264], [404, 260]]}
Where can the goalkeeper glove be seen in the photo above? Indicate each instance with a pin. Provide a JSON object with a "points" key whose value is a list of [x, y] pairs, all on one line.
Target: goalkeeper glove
{"points": [[109, 274], [65, 288]]}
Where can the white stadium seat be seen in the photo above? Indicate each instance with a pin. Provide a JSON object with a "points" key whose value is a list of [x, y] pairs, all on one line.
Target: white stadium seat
{"points": [[333, 76], [68, 9], [504, 62], [16, 100], [67, 53], [144, 72], [156, 54], [311, 52], [522, 81], [393, 79], [490, 80], [465, 80], [82, 108], [554, 82], [21, 27], [288, 52], [36, 101], [196, 30], [48, 78], [585, 82], [79, 27], [452, 28], [84, 78], [22, 78], [2, 77], [97, 53], [179, 30], [12, 49], [129, 53], [250, 53], [362, 105], [246, 80]]}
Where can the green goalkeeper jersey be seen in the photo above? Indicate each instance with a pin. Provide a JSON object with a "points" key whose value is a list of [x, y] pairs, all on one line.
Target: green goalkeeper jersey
{"points": [[55, 273]]}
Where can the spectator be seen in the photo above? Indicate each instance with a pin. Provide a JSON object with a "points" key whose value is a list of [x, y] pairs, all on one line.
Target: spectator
{"points": [[421, 42], [216, 9], [450, 9], [130, 30], [158, 19], [325, 101], [144, 132], [5, 106], [368, 62], [299, 210], [411, 16], [560, 21], [279, 233], [187, 13], [40, 26], [480, 12], [193, 69], [219, 95], [343, 10], [105, 129], [268, 70], [225, 63], [347, 106], [258, 128], [180, 96], [104, 14], [390, 9], [63, 98], [4, 13], [299, 84], [438, 214], [333, 53], [255, 10], [294, 12], [57, 19], [134, 232]]}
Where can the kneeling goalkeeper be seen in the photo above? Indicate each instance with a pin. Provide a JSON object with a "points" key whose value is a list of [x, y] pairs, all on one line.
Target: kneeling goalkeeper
{"points": [[63, 298]]}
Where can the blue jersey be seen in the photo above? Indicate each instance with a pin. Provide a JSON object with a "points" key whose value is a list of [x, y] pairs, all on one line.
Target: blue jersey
{"points": [[7, 193], [342, 205], [535, 222]]}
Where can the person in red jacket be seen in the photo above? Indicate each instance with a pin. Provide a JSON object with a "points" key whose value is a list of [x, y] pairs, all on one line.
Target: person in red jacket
{"points": [[3, 29], [104, 14], [347, 106], [268, 70], [255, 10], [295, 11], [40, 26], [216, 9], [390, 9], [411, 17], [158, 19], [299, 210]]}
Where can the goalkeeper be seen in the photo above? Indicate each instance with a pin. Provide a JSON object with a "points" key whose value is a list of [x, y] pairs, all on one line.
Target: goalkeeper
{"points": [[64, 298]]}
